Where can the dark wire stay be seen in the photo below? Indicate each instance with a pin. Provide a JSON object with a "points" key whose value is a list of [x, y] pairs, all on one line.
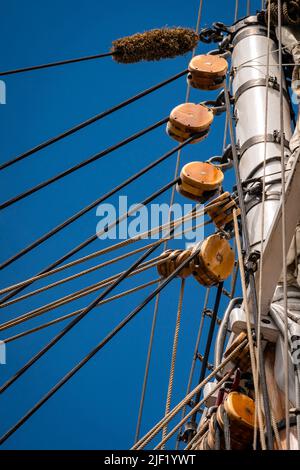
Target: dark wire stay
{"points": [[55, 64], [101, 297], [94, 351], [91, 120]]}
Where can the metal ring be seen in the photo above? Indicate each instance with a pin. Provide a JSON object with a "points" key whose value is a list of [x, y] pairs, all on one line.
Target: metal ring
{"points": [[260, 139], [259, 82]]}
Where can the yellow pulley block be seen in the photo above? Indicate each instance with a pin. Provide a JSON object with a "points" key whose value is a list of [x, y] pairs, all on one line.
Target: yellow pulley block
{"points": [[221, 211], [200, 180], [240, 409], [189, 119], [207, 72], [215, 261], [171, 260]]}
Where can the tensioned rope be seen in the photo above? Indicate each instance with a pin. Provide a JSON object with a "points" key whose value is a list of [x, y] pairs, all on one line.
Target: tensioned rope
{"points": [[94, 237], [90, 307], [91, 120], [166, 419], [236, 10], [174, 354], [77, 295], [82, 164], [86, 290], [81, 293], [283, 228], [195, 357], [262, 234], [208, 343], [77, 312], [156, 306], [247, 252], [195, 409], [108, 338], [95, 203], [249, 332], [109, 249]]}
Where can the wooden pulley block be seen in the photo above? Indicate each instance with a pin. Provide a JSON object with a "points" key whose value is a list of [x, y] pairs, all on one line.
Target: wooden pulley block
{"points": [[240, 410], [214, 262], [182, 136], [161, 267], [242, 357], [200, 180], [172, 259], [207, 72]]}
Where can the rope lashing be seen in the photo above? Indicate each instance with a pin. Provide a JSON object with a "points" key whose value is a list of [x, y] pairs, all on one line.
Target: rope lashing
{"points": [[213, 264]]}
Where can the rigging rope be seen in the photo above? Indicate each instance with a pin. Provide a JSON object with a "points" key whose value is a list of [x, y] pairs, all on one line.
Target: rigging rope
{"points": [[108, 338], [174, 354], [76, 295], [94, 237], [146, 373], [94, 268], [166, 419], [236, 10], [262, 234], [82, 164], [195, 409], [55, 64], [91, 120]]}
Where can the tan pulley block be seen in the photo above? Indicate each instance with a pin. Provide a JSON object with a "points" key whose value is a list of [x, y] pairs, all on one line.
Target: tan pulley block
{"points": [[172, 259], [200, 180], [191, 117], [207, 71], [222, 213], [214, 262], [188, 119]]}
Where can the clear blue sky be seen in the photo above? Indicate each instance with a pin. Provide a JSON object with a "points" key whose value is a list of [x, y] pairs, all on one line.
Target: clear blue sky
{"points": [[98, 408]]}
